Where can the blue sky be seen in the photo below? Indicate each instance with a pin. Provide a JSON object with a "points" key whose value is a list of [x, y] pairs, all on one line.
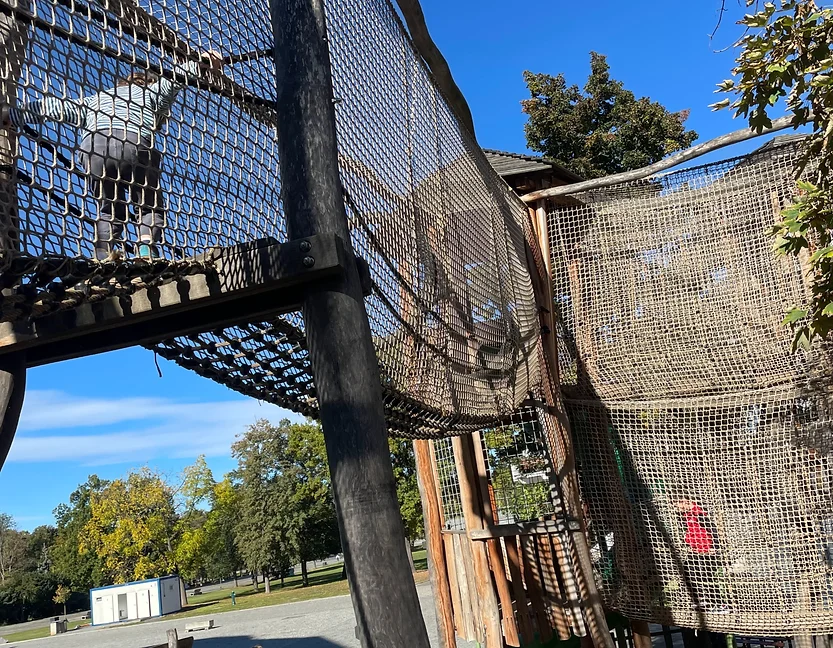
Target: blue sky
{"points": [[111, 413]]}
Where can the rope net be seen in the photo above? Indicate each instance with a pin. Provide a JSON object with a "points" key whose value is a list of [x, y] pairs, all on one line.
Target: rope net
{"points": [[704, 444], [143, 134]]}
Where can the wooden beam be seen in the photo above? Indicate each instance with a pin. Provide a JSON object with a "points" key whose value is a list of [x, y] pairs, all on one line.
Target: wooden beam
{"points": [[437, 569], [250, 281], [678, 158], [539, 527]]}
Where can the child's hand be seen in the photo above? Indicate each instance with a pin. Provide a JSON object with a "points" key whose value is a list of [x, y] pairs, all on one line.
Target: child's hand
{"points": [[212, 60]]}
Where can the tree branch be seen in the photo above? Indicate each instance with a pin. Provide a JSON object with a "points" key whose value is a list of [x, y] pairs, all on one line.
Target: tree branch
{"points": [[683, 156]]}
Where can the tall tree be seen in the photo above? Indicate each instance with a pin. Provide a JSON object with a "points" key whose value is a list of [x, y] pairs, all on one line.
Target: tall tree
{"points": [[13, 545], [261, 459], [603, 130], [82, 570], [315, 531], [223, 558], [132, 527], [194, 494], [787, 51]]}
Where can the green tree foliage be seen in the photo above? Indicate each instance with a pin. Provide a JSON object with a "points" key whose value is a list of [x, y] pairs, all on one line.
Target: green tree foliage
{"points": [[191, 554], [604, 129], [520, 448], [786, 53], [223, 559], [81, 570], [132, 527], [261, 533], [407, 489], [285, 497]]}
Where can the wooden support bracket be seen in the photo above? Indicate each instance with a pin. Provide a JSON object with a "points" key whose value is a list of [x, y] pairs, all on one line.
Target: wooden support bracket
{"points": [[251, 281]]}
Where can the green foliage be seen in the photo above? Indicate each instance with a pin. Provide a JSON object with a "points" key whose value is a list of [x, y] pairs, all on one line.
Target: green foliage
{"points": [[520, 447], [603, 130], [285, 496], [132, 527], [222, 558], [786, 52], [80, 570], [407, 488]]}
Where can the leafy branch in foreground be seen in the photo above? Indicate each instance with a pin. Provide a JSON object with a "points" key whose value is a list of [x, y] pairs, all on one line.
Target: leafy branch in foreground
{"points": [[786, 53]]}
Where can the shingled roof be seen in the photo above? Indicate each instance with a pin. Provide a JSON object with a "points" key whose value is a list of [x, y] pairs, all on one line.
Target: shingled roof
{"points": [[511, 164]]}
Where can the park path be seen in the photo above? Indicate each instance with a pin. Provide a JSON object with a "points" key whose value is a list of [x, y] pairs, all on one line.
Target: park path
{"points": [[320, 623]]}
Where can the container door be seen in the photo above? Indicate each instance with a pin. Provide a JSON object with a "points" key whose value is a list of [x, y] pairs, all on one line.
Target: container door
{"points": [[122, 607], [143, 604]]}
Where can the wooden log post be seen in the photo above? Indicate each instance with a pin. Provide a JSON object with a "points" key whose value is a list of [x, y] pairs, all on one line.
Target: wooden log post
{"points": [[475, 520], [521, 602], [341, 351], [493, 551], [13, 40], [437, 568], [173, 639], [561, 443]]}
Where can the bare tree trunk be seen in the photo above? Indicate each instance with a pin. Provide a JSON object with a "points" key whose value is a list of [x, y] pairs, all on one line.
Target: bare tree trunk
{"points": [[267, 582], [304, 577], [235, 580], [410, 551], [254, 579]]}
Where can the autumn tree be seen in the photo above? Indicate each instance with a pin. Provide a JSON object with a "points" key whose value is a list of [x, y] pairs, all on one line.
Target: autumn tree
{"points": [[62, 594], [603, 130], [13, 545], [81, 570], [194, 494], [132, 527], [785, 53]]}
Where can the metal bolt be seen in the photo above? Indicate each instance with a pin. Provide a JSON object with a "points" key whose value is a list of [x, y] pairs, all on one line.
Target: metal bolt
{"points": [[309, 261], [305, 246]]}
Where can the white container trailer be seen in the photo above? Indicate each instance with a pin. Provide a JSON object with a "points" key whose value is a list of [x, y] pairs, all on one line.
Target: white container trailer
{"points": [[133, 601]]}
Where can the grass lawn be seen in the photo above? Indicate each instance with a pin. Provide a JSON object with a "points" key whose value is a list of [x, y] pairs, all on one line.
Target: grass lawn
{"points": [[37, 633], [323, 582]]}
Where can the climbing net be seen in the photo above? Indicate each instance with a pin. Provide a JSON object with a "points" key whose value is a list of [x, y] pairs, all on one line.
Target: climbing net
{"points": [[143, 134], [705, 446]]}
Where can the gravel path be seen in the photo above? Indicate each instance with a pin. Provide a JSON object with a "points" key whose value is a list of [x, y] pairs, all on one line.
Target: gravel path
{"points": [[322, 623]]}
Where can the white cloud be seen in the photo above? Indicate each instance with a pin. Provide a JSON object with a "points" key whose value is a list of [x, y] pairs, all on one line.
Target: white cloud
{"points": [[137, 429]]}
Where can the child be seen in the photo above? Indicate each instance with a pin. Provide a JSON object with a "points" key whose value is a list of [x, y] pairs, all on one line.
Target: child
{"points": [[118, 149]]}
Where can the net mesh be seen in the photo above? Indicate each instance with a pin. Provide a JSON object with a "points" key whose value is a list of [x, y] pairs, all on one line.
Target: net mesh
{"points": [[116, 186], [704, 444]]}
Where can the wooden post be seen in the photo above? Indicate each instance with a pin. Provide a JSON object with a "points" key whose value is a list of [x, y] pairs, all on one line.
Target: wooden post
{"points": [[12, 392], [473, 514], [437, 569], [341, 350], [510, 626], [173, 640], [562, 442], [515, 567]]}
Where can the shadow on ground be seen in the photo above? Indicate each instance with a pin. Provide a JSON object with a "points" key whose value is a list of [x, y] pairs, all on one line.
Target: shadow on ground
{"points": [[248, 642]]}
